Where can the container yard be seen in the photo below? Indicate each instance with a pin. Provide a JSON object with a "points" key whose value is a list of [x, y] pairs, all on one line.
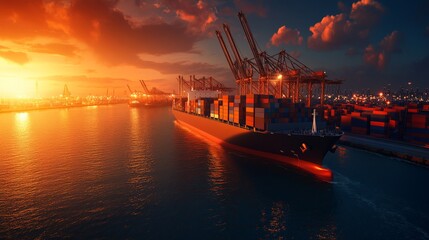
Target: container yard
{"points": [[409, 123]]}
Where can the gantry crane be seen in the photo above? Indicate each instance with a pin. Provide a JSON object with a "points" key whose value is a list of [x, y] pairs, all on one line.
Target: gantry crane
{"points": [[203, 83], [280, 75]]}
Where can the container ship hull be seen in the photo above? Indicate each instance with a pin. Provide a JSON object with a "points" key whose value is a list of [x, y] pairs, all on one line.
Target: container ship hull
{"points": [[304, 151]]}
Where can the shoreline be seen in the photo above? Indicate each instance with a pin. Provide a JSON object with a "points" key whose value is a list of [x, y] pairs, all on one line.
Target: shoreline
{"points": [[409, 152], [24, 109]]}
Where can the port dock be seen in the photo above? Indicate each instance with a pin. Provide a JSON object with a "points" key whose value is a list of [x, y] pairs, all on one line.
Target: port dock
{"points": [[399, 149]]}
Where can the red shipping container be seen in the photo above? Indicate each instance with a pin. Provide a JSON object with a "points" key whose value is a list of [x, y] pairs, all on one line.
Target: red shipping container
{"points": [[393, 123], [378, 124]]}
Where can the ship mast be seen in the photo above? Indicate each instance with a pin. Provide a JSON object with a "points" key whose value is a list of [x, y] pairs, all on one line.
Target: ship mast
{"points": [[314, 127]]}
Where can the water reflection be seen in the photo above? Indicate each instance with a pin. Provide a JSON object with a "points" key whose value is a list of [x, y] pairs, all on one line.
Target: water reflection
{"points": [[21, 128], [22, 137], [274, 221], [139, 162], [217, 170], [22, 117]]}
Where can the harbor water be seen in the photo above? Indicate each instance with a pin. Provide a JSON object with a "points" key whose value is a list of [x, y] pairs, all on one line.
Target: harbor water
{"points": [[114, 172]]}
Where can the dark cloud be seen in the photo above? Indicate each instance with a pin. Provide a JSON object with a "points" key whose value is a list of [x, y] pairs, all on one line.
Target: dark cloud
{"points": [[391, 43], [380, 56], [199, 15], [295, 54], [374, 57], [286, 36], [16, 57], [336, 31], [366, 13], [116, 41], [256, 7], [352, 51]]}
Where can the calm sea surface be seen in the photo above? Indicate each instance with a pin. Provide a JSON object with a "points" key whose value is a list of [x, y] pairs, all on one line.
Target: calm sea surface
{"points": [[112, 172]]}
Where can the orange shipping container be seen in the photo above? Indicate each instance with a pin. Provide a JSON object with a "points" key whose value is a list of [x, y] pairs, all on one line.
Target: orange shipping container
{"points": [[355, 114], [378, 124], [379, 112]]}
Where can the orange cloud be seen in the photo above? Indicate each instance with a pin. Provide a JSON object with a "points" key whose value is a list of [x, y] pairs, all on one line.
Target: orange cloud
{"points": [[335, 31], [287, 36], [23, 19], [107, 31], [330, 32], [198, 16], [67, 50], [379, 57], [16, 57], [57, 15], [117, 41], [391, 42], [374, 57]]}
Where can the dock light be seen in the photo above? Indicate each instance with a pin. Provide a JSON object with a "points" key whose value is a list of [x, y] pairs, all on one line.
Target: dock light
{"points": [[279, 77], [380, 94]]}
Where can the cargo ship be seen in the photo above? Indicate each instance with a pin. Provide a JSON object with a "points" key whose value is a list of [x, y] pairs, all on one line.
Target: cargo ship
{"points": [[137, 103], [267, 117], [263, 126]]}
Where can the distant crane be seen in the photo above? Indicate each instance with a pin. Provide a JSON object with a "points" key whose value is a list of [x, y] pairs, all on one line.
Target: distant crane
{"points": [[144, 87], [203, 83], [66, 92]]}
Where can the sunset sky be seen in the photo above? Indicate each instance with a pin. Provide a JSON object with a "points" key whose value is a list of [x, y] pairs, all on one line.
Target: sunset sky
{"points": [[96, 45]]}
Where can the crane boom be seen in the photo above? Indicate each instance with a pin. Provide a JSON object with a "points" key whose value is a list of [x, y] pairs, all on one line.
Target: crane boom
{"points": [[227, 55], [129, 88], [146, 90], [235, 51], [252, 43]]}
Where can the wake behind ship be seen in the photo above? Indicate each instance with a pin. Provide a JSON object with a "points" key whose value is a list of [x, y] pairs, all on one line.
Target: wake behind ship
{"points": [[261, 125]]}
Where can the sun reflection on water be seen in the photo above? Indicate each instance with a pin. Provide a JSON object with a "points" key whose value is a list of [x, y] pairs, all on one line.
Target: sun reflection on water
{"points": [[21, 121]]}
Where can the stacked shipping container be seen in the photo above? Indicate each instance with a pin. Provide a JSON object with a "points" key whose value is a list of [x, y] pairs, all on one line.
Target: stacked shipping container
{"points": [[409, 122], [253, 110]]}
